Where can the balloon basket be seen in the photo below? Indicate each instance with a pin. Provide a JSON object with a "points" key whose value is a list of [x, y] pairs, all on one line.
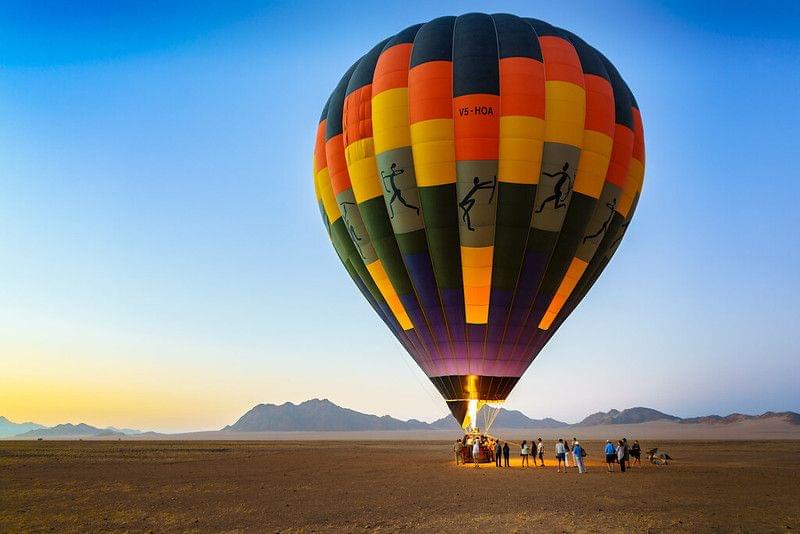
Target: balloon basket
{"points": [[486, 454]]}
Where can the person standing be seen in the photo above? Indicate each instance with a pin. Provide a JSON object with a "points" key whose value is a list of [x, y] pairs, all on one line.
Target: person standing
{"points": [[566, 454], [611, 455], [636, 453], [524, 453], [506, 453], [627, 452], [621, 456], [476, 451], [498, 454], [539, 452], [457, 450], [561, 454], [578, 454]]}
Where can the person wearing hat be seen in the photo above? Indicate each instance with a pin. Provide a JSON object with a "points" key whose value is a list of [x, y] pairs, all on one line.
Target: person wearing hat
{"points": [[611, 455]]}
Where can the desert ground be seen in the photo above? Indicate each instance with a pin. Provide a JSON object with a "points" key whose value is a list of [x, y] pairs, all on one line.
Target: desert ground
{"points": [[387, 485]]}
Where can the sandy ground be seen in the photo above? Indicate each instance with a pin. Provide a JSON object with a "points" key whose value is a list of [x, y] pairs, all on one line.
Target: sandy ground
{"points": [[373, 485]]}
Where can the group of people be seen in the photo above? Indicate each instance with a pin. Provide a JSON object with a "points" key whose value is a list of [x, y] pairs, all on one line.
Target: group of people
{"points": [[564, 448], [475, 449], [535, 449], [621, 454]]}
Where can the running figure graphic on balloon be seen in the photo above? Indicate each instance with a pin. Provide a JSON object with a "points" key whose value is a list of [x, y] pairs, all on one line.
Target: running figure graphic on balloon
{"points": [[350, 229], [559, 196], [611, 206], [396, 193], [468, 202]]}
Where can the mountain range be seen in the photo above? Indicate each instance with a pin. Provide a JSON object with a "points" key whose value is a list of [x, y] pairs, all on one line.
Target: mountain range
{"points": [[10, 428], [318, 415], [322, 415], [789, 417], [34, 430]]}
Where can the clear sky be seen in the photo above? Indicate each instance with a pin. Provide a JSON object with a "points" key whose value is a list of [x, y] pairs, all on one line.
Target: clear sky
{"points": [[163, 264]]}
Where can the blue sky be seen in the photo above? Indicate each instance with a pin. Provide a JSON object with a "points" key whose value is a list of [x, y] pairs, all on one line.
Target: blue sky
{"points": [[163, 264]]}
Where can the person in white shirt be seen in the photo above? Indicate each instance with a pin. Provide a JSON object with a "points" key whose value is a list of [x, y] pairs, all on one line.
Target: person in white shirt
{"points": [[539, 452], [476, 451], [524, 453], [621, 455], [561, 454]]}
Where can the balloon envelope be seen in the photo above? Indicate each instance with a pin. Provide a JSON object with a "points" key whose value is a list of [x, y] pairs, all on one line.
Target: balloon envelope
{"points": [[475, 175]]}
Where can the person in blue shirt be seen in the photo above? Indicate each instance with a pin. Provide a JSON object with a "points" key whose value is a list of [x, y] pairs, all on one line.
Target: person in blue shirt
{"points": [[611, 455], [578, 454]]}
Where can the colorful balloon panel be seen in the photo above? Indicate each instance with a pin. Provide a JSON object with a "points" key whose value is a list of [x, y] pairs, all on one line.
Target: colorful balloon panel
{"points": [[475, 175]]}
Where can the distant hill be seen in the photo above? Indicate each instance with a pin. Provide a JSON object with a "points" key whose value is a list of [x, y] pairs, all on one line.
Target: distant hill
{"points": [[68, 430], [126, 431], [316, 414], [505, 419], [627, 417], [789, 417], [646, 415], [10, 428]]}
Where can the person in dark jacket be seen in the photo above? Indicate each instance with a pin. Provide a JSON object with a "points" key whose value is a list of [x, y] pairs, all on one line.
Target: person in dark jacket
{"points": [[636, 453], [506, 453], [498, 454], [577, 455]]}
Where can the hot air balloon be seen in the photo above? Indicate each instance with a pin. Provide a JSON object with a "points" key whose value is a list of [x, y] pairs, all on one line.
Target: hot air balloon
{"points": [[476, 174]]}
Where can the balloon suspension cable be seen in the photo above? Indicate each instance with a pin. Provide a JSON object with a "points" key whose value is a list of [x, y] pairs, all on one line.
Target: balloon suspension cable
{"points": [[490, 413]]}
